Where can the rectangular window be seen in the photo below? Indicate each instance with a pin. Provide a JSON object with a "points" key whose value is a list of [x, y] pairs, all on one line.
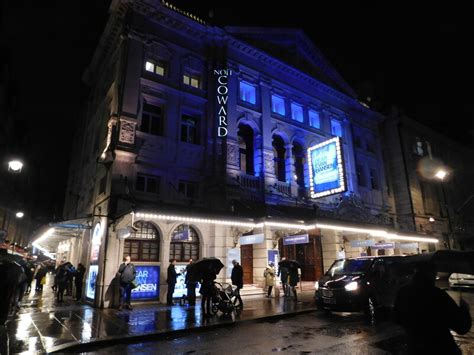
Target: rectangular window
{"points": [[148, 183], [296, 112], [152, 120], [278, 105], [189, 129], [188, 189], [155, 67], [360, 175], [314, 119], [192, 80], [336, 128], [248, 93], [374, 179]]}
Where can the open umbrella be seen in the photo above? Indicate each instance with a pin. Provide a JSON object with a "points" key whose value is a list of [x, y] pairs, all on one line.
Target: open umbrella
{"points": [[449, 261], [205, 266], [290, 264]]}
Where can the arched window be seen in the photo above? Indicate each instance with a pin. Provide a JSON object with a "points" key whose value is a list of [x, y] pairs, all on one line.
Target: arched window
{"points": [[245, 136], [144, 244], [279, 158], [184, 243], [299, 161]]}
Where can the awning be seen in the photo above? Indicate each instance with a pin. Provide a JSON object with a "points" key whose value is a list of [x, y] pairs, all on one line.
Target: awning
{"points": [[50, 236]]}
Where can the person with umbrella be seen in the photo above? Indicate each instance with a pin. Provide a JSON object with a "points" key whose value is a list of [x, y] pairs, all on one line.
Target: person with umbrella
{"points": [[237, 278], [283, 273], [428, 314], [205, 271], [293, 275]]}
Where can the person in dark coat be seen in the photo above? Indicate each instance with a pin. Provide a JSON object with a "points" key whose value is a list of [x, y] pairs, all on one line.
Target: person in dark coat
{"points": [[61, 280], [127, 274], [171, 280], [237, 278], [207, 291], [428, 314], [78, 280], [294, 278], [190, 285], [283, 273]]}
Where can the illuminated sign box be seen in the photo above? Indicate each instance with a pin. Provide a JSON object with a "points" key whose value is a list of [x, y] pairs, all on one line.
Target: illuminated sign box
{"points": [[148, 280], [91, 281], [251, 239], [296, 239], [326, 168]]}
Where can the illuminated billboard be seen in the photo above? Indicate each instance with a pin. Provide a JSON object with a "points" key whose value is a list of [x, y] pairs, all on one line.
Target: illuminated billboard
{"points": [[326, 168], [148, 280]]}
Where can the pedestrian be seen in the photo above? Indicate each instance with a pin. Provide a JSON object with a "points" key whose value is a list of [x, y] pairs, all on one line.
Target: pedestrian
{"points": [[61, 279], [428, 313], [237, 278], [283, 273], [127, 274], [293, 279], [207, 291], [70, 279], [269, 274], [78, 281], [171, 281], [190, 285]]}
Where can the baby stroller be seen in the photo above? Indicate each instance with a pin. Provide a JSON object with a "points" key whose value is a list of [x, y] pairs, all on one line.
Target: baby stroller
{"points": [[224, 298]]}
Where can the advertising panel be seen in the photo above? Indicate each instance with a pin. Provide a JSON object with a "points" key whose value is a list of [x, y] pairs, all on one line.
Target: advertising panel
{"points": [[326, 168], [251, 239], [91, 281], [180, 289], [296, 239], [148, 280]]}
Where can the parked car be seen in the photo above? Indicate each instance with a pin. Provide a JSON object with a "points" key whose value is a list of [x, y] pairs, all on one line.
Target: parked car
{"points": [[362, 284], [457, 280]]}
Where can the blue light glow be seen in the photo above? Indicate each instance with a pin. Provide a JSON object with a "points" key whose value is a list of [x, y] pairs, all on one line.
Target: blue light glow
{"points": [[336, 128], [248, 93], [314, 120], [278, 105], [297, 112]]}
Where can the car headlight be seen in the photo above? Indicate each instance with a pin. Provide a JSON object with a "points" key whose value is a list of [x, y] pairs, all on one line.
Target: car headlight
{"points": [[316, 285], [352, 286]]}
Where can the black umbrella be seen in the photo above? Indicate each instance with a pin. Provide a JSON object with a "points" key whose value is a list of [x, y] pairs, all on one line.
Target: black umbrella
{"points": [[290, 264], [205, 266], [446, 260]]}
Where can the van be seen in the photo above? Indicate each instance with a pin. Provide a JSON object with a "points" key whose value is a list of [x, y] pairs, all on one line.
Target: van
{"points": [[365, 284]]}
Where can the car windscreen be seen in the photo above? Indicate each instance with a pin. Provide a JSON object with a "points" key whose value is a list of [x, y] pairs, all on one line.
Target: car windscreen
{"points": [[349, 267]]}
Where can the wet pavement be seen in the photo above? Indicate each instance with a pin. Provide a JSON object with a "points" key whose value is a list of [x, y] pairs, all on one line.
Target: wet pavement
{"points": [[309, 333], [42, 325]]}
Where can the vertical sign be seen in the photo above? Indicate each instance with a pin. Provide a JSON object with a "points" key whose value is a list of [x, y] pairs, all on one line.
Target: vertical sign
{"points": [[222, 95], [274, 257], [93, 261]]}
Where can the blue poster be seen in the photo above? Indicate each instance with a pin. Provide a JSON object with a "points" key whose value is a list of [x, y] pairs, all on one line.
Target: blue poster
{"points": [[326, 168], [296, 239], [91, 281], [148, 279], [180, 289], [274, 257]]}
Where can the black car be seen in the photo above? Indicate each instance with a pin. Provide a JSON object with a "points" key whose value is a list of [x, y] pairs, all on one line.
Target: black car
{"points": [[362, 284]]}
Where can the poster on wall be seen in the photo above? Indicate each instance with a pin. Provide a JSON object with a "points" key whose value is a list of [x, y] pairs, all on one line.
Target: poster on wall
{"points": [[180, 289], [148, 280], [91, 281], [326, 168], [96, 242], [274, 257], [232, 254]]}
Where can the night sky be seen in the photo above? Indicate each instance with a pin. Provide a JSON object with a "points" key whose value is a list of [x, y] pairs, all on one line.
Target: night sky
{"points": [[417, 56]]}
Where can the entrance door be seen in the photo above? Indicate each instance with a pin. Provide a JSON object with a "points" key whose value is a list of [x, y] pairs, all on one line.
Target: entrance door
{"points": [[309, 256], [246, 257]]}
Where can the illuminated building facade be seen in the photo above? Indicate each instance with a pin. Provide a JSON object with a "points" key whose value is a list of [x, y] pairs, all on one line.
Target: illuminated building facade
{"points": [[154, 177]]}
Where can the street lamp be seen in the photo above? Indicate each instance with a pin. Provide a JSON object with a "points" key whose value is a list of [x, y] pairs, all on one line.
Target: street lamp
{"points": [[19, 214], [441, 174], [15, 166]]}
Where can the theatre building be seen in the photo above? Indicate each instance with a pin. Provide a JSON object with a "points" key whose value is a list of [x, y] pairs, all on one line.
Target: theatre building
{"points": [[235, 143]]}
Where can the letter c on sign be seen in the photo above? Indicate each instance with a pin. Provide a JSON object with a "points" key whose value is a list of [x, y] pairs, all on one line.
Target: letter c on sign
{"points": [[222, 82]]}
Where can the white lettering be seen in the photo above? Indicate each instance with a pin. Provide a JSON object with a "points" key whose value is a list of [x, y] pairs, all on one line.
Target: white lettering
{"points": [[221, 131], [222, 90], [222, 100], [220, 80]]}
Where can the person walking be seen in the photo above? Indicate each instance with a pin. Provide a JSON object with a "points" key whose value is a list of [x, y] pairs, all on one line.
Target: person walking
{"points": [[269, 274], [61, 280], [127, 274], [190, 285], [294, 278], [237, 278], [283, 274], [171, 280], [78, 281], [428, 314]]}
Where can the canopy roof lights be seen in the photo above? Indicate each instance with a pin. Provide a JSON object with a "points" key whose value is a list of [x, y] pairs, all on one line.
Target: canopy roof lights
{"points": [[373, 232]]}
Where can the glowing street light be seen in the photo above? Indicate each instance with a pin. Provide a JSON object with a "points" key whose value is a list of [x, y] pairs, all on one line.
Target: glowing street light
{"points": [[441, 174], [19, 214], [431, 220], [15, 166]]}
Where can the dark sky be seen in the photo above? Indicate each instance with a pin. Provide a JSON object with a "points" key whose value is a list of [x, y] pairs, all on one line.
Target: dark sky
{"points": [[414, 54]]}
